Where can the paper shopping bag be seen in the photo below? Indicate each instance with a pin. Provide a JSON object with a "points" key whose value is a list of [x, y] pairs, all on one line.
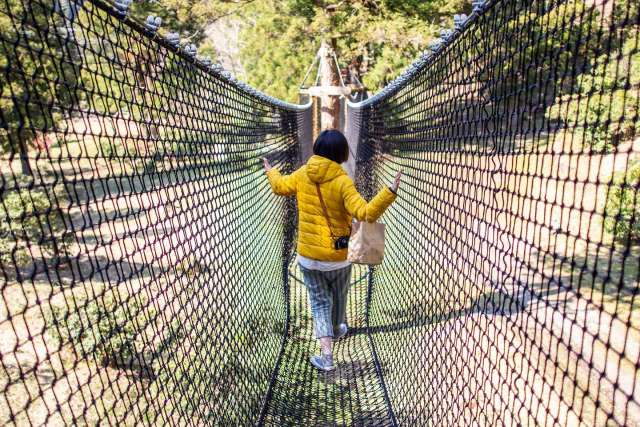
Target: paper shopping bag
{"points": [[366, 244]]}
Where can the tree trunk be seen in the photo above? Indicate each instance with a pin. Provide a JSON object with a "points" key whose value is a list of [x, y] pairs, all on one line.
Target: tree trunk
{"points": [[330, 112], [23, 150]]}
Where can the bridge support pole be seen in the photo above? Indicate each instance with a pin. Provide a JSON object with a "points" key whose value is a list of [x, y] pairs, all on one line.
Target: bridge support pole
{"points": [[329, 81]]}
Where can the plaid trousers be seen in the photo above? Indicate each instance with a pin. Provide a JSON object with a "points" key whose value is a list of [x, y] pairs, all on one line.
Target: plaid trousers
{"points": [[328, 292]]}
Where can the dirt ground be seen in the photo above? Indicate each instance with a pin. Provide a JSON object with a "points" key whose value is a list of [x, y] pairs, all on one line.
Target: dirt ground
{"points": [[514, 332], [542, 357]]}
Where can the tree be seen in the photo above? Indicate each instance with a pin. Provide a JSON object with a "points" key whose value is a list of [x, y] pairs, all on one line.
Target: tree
{"points": [[380, 37], [38, 73], [190, 18]]}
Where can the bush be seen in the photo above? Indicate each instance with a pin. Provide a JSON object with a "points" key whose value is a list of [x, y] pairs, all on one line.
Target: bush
{"points": [[107, 328], [28, 218], [623, 206], [109, 148], [604, 103], [603, 120], [35, 49], [556, 40]]}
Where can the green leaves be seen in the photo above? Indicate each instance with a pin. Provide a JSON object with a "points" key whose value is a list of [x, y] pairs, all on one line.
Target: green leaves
{"points": [[26, 90], [604, 99], [29, 220], [282, 38], [623, 206], [278, 43]]}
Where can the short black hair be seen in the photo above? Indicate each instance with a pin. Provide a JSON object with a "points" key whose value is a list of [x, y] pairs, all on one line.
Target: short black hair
{"points": [[333, 145]]}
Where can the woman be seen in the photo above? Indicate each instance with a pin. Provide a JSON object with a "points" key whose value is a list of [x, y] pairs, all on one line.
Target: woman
{"points": [[327, 201]]}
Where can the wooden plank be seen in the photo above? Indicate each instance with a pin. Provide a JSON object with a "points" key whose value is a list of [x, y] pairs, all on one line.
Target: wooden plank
{"points": [[328, 91]]}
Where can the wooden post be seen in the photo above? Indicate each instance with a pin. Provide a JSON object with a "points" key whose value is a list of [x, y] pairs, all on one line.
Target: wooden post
{"points": [[330, 103]]}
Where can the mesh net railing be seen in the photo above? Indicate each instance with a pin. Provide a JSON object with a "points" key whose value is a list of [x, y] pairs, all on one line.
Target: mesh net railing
{"points": [[143, 256], [148, 273], [508, 294]]}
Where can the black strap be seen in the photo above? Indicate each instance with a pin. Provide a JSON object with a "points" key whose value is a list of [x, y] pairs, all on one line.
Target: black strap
{"points": [[324, 210]]}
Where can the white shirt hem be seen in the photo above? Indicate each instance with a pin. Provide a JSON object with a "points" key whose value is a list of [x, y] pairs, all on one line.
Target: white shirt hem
{"points": [[314, 264]]}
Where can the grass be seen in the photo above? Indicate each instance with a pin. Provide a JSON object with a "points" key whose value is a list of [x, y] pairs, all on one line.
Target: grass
{"points": [[107, 326], [157, 317], [350, 395], [512, 305], [479, 303]]}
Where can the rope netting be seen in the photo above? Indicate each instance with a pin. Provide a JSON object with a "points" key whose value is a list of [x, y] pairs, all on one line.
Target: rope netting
{"points": [[148, 272], [143, 253], [508, 294]]}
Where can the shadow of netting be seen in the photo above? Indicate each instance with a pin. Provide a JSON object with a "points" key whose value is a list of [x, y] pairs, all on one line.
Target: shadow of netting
{"points": [[503, 299], [143, 257], [350, 395], [481, 314]]}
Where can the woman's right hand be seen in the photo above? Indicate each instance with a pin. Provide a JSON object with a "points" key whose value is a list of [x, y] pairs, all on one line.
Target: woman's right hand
{"points": [[267, 165], [396, 182]]}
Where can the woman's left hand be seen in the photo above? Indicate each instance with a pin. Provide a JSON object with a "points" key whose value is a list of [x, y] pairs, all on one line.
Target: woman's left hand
{"points": [[267, 165], [396, 182]]}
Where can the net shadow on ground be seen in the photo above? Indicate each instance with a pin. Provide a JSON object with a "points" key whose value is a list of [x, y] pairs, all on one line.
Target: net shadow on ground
{"points": [[350, 395]]}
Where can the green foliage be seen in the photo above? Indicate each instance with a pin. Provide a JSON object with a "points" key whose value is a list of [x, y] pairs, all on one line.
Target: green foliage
{"points": [[277, 50], [188, 17], [603, 104], [381, 37], [39, 59], [107, 327], [29, 219], [183, 16], [626, 12], [603, 121], [108, 148], [623, 206], [214, 377], [27, 90], [557, 39]]}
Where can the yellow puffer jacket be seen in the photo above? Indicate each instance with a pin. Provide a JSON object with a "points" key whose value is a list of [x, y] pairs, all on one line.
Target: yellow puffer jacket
{"points": [[340, 197]]}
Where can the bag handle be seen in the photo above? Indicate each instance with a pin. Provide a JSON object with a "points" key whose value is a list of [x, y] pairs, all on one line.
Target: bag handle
{"points": [[324, 210]]}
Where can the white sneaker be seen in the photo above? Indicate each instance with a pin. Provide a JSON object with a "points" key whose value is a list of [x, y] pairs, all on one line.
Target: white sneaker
{"points": [[343, 331], [323, 362]]}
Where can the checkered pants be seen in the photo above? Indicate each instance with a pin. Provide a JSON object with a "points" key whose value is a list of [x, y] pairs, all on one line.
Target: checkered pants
{"points": [[328, 292]]}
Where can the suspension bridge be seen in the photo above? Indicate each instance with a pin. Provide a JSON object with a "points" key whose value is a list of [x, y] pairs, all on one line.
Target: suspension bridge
{"points": [[148, 272]]}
